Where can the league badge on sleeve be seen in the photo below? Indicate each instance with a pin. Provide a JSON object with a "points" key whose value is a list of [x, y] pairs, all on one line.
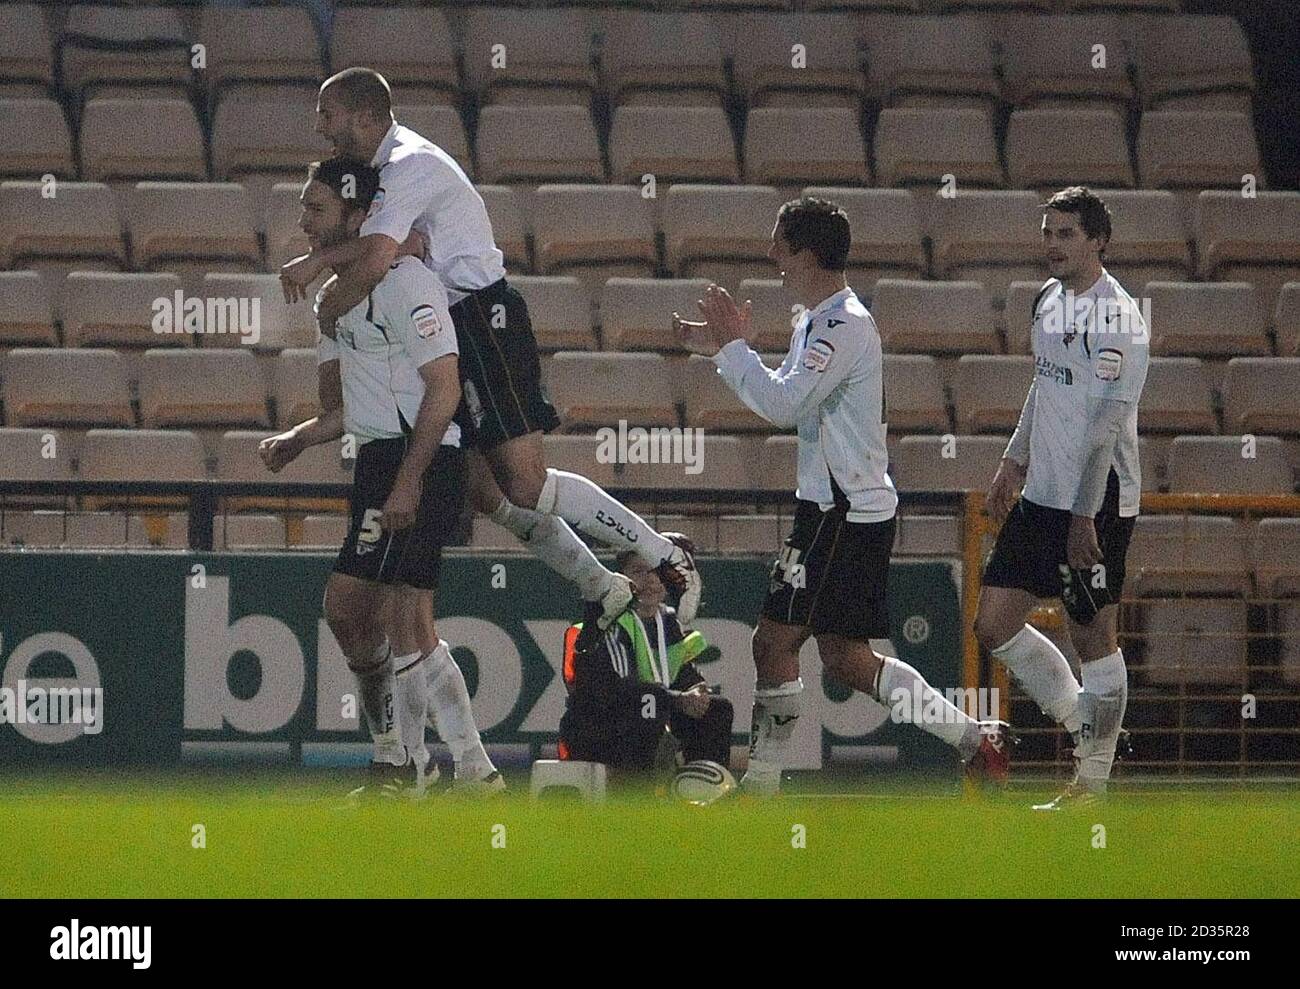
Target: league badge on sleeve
{"points": [[426, 321], [819, 355], [1109, 361]]}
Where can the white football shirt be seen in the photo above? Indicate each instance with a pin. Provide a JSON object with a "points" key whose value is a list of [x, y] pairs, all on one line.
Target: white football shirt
{"points": [[381, 343]]}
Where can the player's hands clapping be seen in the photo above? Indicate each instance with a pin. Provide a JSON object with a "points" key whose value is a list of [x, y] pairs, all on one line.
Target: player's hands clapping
{"points": [[278, 450], [400, 506], [724, 320], [1005, 489]]}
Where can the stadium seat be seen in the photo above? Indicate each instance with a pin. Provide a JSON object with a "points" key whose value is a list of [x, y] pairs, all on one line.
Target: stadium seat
{"points": [[143, 455], [508, 226], [239, 461], [1205, 319], [711, 404], [661, 59], [322, 532], [440, 124], [202, 388], [749, 534], [25, 51], [1277, 558], [272, 323], [560, 311], [594, 390], [1056, 57], [284, 238], [262, 44], [134, 139], [36, 529], [1148, 241], [418, 54], [778, 464], [1153, 454], [1286, 321], [1194, 643], [725, 464], [249, 531], [579, 454], [37, 139], [35, 454], [1178, 55], [720, 232], [1015, 316], [538, 143], [674, 144], [72, 220], [123, 44], [928, 535], [587, 778], [1224, 464], [929, 61], [1249, 240], [26, 315], [594, 227], [991, 237], [933, 463], [785, 145], [886, 229], [765, 48], [116, 309], [1177, 397], [988, 392], [257, 136], [190, 224], [528, 56], [1184, 150], [914, 401], [636, 313], [919, 146], [1262, 395], [294, 386], [1095, 153], [773, 317], [72, 387], [905, 311], [1187, 554]]}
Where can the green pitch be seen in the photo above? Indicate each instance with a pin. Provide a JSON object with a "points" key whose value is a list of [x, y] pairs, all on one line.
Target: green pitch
{"points": [[290, 837]]}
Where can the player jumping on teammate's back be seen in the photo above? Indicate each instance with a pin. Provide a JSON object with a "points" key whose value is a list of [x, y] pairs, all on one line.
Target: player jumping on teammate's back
{"points": [[831, 579], [1075, 452], [389, 377], [506, 411]]}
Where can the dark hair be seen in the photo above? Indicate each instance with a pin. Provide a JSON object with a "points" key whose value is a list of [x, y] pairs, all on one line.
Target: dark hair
{"points": [[335, 172], [362, 89], [820, 226], [1094, 216], [623, 558]]}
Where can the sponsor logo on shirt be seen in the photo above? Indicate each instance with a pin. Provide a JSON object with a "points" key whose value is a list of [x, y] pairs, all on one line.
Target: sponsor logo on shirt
{"points": [[819, 355], [426, 321], [1109, 362], [376, 203], [832, 323], [1050, 369]]}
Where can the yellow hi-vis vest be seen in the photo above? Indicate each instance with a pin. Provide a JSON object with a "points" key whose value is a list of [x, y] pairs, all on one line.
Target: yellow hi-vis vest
{"points": [[651, 664]]}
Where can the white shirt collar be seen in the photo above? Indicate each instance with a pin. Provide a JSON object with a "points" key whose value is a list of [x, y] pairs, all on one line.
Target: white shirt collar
{"points": [[386, 145], [831, 301]]}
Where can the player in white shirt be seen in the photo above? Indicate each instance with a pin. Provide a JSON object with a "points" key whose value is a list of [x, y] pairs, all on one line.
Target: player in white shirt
{"points": [[389, 377], [831, 580], [1075, 452], [424, 189]]}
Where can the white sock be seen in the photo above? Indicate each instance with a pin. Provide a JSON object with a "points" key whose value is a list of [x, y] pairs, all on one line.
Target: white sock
{"points": [[903, 690], [453, 717], [413, 705], [586, 507], [377, 688], [1107, 678], [552, 541], [1044, 673], [776, 710]]}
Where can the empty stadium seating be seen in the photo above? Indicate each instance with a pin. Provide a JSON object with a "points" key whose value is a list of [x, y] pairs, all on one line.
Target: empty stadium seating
{"points": [[202, 388], [189, 224], [720, 232], [920, 146], [67, 220], [673, 144], [26, 312], [990, 236], [1262, 395], [1177, 397], [1095, 152], [988, 392], [514, 56], [798, 60], [937, 463], [1192, 150], [787, 146], [586, 226], [38, 142], [904, 312], [418, 54], [914, 401], [1069, 57], [51, 387], [931, 61], [142, 455], [1249, 239], [1237, 464], [538, 143], [1205, 319], [636, 313], [594, 390], [661, 58], [103, 44], [117, 309], [710, 404]]}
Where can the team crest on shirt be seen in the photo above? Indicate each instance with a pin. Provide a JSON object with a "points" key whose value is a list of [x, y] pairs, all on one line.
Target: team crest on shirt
{"points": [[1109, 362], [819, 355], [426, 321], [376, 203]]}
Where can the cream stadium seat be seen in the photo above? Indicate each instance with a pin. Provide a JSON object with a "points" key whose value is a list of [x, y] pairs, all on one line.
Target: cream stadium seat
{"points": [[124, 44], [25, 50], [1015, 316], [886, 233], [509, 228], [636, 313], [1153, 454], [932, 463], [1286, 320], [143, 455], [117, 309], [661, 59], [184, 224], [726, 464], [1055, 57], [294, 386], [931, 61], [992, 237], [1205, 319], [778, 464], [1149, 240], [1188, 554], [258, 136], [1249, 240], [238, 460], [278, 324], [218, 387], [36, 529], [711, 404], [594, 390], [904, 312], [80, 221], [774, 313], [440, 124], [749, 534], [988, 392], [559, 309], [529, 56], [284, 238], [262, 44], [538, 143], [763, 52], [1225, 464], [928, 535], [249, 531], [594, 227], [1192, 643], [788, 145], [1177, 397], [1262, 395], [48, 386], [26, 315], [323, 532], [914, 401], [674, 144], [35, 454], [720, 232], [702, 530], [1188, 150], [135, 139], [1095, 153], [37, 142], [1179, 55], [582, 455], [418, 54], [919, 146], [1277, 558]]}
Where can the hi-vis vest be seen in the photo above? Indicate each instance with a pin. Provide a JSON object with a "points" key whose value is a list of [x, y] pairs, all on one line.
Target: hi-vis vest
{"points": [[651, 665]]}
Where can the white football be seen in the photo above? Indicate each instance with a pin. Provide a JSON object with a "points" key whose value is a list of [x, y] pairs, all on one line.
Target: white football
{"points": [[702, 782]]}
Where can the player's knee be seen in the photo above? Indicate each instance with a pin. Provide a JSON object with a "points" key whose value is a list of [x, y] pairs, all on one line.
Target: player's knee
{"points": [[524, 487], [990, 630]]}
